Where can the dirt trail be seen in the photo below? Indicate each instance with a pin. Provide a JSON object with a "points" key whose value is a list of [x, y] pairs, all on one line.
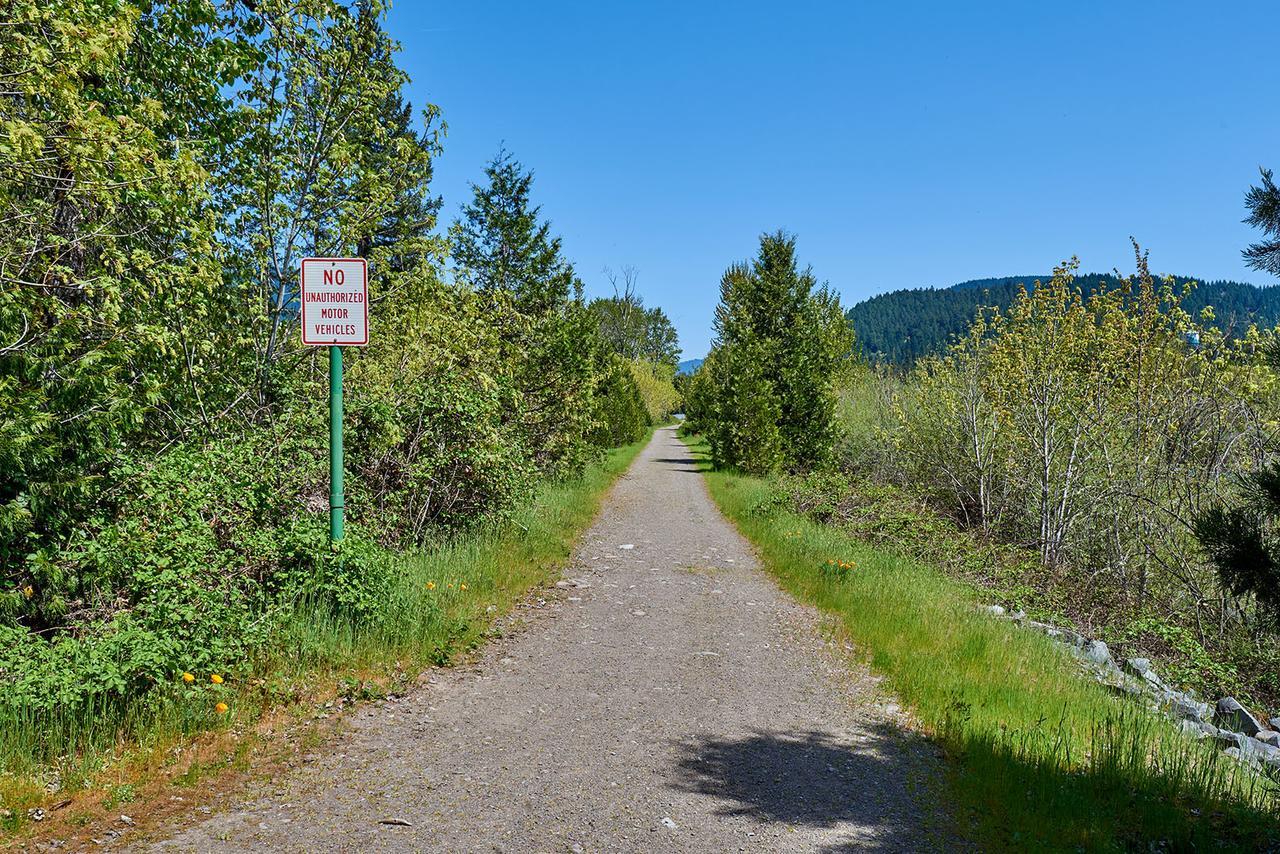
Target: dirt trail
{"points": [[668, 698]]}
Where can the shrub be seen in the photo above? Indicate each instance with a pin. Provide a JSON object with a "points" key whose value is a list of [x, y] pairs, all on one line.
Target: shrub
{"points": [[208, 546], [1095, 428], [621, 416], [654, 382]]}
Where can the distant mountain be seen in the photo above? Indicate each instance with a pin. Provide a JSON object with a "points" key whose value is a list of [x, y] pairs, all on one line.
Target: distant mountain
{"points": [[1001, 282], [688, 367], [901, 326]]}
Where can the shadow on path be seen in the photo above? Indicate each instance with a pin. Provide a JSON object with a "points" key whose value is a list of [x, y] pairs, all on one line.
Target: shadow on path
{"points": [[810, 779], [686, 464]]}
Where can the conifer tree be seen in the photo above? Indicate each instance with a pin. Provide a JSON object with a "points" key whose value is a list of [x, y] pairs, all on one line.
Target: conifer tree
{"points": [[507, 254], [1264, 212], [767, 400], [1242, 537], [1242, 540]]}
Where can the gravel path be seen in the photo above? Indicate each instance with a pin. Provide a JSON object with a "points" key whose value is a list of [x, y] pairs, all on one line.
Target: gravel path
{"points": [[667, 697]]}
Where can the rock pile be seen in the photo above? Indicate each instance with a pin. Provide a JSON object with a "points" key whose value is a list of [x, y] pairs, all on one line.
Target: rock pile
{"points": [[1228, 725]]}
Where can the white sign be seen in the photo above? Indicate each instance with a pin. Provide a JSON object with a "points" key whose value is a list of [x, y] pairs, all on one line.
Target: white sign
{"points": [[335, 302]]}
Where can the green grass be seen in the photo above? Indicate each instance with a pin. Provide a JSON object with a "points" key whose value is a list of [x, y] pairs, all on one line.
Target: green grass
{"points": [[1041, 757], [445, 601]]}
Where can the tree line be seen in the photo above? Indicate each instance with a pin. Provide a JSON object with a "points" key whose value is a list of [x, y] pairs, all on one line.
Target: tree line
{"points": [[164, 167]]}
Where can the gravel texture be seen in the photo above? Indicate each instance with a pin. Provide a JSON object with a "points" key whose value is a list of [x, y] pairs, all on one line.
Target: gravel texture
{"points": [[665, 697]]}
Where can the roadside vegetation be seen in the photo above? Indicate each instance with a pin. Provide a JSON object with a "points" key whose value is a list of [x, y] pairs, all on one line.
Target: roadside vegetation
{"points": [[163, 442], [1087, 457], [437, 603], [1099, 443], [1042, 758]]}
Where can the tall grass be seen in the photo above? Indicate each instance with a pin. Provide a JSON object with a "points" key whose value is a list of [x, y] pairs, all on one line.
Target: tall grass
{"points": [[1043, 758], [443, 602]]}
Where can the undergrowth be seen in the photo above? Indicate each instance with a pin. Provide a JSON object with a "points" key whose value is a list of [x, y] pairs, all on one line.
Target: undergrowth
{"points": [[1042, 758], [434, 605], [890, 517]]}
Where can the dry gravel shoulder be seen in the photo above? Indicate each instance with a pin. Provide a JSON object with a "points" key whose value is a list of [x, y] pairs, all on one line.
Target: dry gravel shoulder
{"points": [[667, 697]]}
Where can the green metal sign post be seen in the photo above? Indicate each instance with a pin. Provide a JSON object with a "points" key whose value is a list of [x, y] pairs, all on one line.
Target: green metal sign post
{"points": [[334, 296], [335, 445]]}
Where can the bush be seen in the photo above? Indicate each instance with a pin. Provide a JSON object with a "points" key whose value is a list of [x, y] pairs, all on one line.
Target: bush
{"points": [[1088, 427], [163, 441], [657, 390], [208, 547], [621, 416]]}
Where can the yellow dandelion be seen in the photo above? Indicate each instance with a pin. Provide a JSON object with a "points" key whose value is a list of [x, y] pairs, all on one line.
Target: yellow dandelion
{"points": [[221, 708], [450, 585], [463, 586], [431, 585], [831, 563], [215, 679], [27, 592], [188, 678]]}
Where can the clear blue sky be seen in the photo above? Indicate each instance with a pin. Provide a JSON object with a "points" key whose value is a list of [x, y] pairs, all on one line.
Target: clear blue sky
{"points": [[905, 144]]}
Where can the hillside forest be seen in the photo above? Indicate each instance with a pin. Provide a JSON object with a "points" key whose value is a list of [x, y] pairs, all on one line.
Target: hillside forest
{"points": [[899, 327]]}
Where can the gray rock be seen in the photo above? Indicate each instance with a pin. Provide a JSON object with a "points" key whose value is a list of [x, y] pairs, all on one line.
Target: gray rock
{"points": [[1185, 707], [1270, 737], [1275, 722], [1226, 738], [1198, 730], [1097, 652], [1232, 715], [1246, 747], [1123, 685], [1018, 616], [1067, 636], [1141, 668], [1233, 752], [994, 610], [1251, 750]]}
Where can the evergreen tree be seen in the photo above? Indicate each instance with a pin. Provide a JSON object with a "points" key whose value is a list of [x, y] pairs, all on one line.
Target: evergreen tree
{"points": [[1242, 540], [1264, 213], [502, 248], [1242, 537], [511, 259], [397, 175], [901, 326], [767, 399], [325, 163]]}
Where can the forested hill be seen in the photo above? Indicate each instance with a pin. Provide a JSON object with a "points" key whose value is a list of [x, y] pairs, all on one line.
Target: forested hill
{"points": [[689, 366], [901, 326]]}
